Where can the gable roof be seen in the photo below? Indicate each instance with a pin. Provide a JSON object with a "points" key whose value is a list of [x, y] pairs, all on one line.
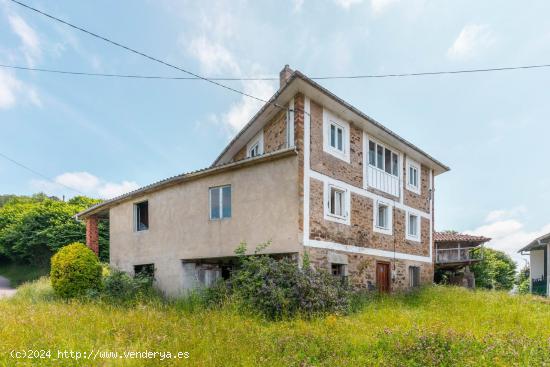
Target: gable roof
{"points": [[101, 208], [537, 244], [458, 237], [299, 83]]}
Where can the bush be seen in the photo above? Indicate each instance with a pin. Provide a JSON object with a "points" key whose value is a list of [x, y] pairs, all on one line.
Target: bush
{"points": [[75, 271], [120, 287], [280, 288]]}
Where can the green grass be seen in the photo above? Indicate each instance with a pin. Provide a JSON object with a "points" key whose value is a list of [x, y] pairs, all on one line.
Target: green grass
{"points": [[437, 326], [19, 274]]}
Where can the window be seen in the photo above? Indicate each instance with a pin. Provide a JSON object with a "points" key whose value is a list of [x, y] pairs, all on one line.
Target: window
{"points": [[145, 270], [414, 276], [256, 146], [141, 216], [335, 136], [413, 227], [383, 158], [338, 270], [413, 173], [254, 150], [337, 202], [220, 202], [383, 218]]}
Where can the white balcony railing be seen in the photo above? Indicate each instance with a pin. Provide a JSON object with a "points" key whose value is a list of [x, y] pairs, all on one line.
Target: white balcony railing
{"points": [[383, 181]]}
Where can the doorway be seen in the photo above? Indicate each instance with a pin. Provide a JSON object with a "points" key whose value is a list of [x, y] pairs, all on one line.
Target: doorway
{"points": [[383, 277]]}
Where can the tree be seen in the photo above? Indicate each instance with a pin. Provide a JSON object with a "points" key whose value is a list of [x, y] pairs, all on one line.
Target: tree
{"points": [[497, 270], [523, 280], [33, 228]]}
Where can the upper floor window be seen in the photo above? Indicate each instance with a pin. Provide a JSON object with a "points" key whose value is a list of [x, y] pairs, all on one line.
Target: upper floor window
{"points": [[383, 221], [220, 202], [413, 176], [256, 146], [337, 204], [335, 136], [383, 158], [413, 227], [141, 216]]}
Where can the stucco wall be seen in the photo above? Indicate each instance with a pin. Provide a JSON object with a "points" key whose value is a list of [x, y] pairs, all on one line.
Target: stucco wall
{"points": [[537, 264], [264, 207]]}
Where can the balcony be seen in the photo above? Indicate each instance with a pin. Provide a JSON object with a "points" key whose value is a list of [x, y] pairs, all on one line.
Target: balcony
{"points": [[456, 256], [538, 286], [383, 181]]}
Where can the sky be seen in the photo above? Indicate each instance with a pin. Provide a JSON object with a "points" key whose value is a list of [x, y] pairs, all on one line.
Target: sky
{"points": [[105, 136]]}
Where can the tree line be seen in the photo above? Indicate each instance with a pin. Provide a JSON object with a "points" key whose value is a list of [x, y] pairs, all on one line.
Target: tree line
{"points": [[33, 228]]}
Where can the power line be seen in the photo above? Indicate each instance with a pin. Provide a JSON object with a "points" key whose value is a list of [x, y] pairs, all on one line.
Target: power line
{"points": [[165, 77], [127, 48], [38, 173]]}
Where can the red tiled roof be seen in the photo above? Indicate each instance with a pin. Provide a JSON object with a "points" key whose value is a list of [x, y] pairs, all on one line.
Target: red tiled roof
{"points": [[458, 237]]}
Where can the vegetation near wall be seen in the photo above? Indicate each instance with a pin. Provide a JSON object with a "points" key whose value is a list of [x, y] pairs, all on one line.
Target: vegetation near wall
{"points": [[33, 228], [436, 326]]}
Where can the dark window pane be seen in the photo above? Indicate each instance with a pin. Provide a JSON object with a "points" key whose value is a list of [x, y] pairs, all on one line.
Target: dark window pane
{"points": [[340, 139], [372, 154], [142, 216], [226, 202], [215, 203], [333, 136], [388, 160], [145, 270], [394, 165], [380, 157]]}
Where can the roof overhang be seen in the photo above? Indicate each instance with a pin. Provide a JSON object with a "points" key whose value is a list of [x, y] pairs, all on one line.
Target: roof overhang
{"points": [[299, 83], [102, 209], [539, 243]]}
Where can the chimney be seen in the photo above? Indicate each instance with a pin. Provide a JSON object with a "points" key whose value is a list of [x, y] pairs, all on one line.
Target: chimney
{"points": [[284, 75]]}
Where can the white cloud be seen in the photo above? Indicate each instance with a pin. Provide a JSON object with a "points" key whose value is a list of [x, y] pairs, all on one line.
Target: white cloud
{"points": [[378, 6], [346, 4], [508, 234], [472, 39], [86, 183], [214, 58], [501, 214], [298, 4], [13, 89], [28, 37]]}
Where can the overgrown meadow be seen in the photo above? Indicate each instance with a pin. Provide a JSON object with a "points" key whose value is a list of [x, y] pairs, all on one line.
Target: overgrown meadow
{"points": [[436, 326]]}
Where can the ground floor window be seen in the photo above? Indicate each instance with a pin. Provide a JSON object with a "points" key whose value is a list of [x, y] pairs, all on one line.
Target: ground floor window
{"points": [[414, 276], [145, 270]]}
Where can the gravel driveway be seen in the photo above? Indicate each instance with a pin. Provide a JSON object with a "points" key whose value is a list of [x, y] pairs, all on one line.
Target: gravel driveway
{"points": [[5, 289]]}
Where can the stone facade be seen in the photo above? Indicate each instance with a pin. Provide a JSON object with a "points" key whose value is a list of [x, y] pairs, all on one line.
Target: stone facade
{"points": [[360, 233], [412, 199], [275, 133], [327, 164], [361, 269]]}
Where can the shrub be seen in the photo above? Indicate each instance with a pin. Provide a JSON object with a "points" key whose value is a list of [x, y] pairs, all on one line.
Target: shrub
{"points": [[280, 288], [75, 271], [120, 287]]}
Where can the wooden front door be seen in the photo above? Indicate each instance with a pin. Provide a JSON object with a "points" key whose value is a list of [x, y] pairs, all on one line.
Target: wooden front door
{"points": [[383, 277]]}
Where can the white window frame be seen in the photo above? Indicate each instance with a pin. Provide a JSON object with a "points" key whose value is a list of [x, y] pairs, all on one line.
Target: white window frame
{"points": [[389, 228], [257, 140], [330, 119], [220, 188], [344, 219], [413, 164], [408, 235]]}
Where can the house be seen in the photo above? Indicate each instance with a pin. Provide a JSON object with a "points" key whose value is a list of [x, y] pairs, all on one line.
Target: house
{"points": [[309, 173], [539, 264], [454, 255]]}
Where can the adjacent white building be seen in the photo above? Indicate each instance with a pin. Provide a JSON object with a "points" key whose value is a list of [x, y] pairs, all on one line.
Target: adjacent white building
{"points": [[539, 263]]}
